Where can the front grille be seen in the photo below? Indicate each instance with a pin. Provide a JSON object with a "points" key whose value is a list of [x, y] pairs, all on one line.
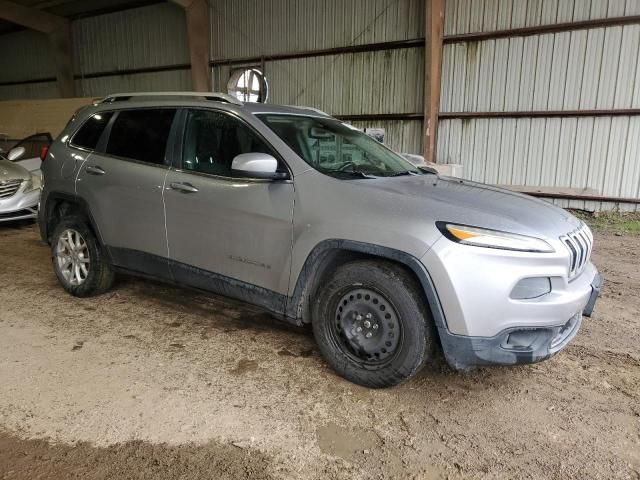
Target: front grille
{"points": [[579, 243], [9, 188]]}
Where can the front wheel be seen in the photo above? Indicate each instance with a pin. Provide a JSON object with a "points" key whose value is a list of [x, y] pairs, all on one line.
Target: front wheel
{"points": [[372, 325], [79, 260]]}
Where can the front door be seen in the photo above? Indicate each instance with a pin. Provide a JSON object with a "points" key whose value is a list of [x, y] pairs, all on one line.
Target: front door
{"points": [[236, 232]]}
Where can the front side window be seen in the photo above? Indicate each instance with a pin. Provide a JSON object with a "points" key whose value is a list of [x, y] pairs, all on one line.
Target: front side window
{"points": [[141, 134], [89, 134], [337, 149], [213, 139]]}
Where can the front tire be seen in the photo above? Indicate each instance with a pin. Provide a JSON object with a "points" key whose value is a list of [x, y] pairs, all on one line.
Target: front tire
{"points": [[79, 261], [372, 325]]}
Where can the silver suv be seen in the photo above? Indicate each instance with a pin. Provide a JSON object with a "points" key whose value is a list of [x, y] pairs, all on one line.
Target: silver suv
{"points": [[297, 212]]}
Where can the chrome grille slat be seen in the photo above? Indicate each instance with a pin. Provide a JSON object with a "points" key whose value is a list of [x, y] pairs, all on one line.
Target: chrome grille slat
{"points": [[9, 188], [579, 243]]}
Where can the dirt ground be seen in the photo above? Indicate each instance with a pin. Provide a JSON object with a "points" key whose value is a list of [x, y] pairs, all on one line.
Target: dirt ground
{"points": [[151, 381]]}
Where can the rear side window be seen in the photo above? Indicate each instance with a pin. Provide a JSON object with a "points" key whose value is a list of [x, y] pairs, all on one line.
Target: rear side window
{"points": [[90, 132], [141, 134]]}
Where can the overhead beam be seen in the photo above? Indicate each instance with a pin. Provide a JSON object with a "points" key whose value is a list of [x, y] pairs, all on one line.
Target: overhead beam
{"points": [[58, 29], [198, 25], [31, 17], [434, 25]]}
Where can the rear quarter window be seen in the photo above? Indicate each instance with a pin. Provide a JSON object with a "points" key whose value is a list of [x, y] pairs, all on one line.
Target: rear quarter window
{"points": [[90, 132]]}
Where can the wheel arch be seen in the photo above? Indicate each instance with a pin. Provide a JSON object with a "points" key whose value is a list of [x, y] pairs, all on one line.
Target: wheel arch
{"points": [[328, 254], [60, 205]]}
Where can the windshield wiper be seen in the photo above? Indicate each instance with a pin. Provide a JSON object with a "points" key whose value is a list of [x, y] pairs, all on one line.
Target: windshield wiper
{"points": [[407, 172], [428, 169], [349, 173]]}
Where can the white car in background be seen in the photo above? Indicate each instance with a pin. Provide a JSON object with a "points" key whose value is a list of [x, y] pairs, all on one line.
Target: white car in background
{"points": [[29, 152], [20, 178]]}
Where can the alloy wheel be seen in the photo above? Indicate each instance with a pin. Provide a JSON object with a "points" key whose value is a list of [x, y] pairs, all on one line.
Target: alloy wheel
{"points": [[72, 257]]}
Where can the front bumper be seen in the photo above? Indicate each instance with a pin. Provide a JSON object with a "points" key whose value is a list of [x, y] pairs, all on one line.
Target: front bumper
{"points": [[516, 345], [483, 325], [20, 206]]}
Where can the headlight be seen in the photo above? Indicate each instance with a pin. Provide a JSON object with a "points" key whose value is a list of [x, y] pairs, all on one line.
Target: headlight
{"points": [[32, 184], [482, 237]]}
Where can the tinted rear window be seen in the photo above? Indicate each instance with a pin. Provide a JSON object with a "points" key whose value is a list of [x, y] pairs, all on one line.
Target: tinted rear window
{"points": [[141, 134], [89, 134]]}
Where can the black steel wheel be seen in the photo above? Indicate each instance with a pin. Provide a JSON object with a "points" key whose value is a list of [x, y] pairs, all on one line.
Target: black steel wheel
{"points": [[372, 324], [367, 326]]}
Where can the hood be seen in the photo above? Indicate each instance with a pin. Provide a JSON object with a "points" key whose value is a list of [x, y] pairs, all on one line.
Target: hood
{"points": [[12, 171], [469, 203]]}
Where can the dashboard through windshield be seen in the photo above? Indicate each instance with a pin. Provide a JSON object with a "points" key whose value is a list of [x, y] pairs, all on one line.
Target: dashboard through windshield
{"points": [[336, 148]]}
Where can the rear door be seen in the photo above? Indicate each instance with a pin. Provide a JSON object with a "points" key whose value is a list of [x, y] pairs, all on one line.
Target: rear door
{"points": [[122, 181], [238, 229]]}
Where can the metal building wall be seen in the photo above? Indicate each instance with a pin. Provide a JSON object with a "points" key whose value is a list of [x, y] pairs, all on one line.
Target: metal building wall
{"points": [[25, 55], [246, 28], [106, 50], [385, 81], [147, 37], [594, 69]]}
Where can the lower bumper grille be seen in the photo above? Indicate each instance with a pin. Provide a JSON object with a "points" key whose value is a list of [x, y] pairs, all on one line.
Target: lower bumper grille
{"points": [[26, 212]]}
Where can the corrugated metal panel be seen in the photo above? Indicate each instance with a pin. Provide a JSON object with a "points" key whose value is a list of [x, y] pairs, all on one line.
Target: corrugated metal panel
{"points": [[600, 153], [25, 55], [143, 37], [32, 90], [388, 81], [179, 80], [246, 28], [491, 15], [401, 136], [585, 69]]}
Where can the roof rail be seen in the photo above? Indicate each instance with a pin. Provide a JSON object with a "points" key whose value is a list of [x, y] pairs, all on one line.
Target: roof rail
{"points": [[214, 96], [313, 109]]}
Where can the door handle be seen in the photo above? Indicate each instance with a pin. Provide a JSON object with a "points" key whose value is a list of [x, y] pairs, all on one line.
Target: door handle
{"points": [[95, 170], [183, 187]]}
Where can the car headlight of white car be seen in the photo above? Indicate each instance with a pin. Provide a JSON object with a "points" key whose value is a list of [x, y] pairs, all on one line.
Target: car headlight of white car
{"points": [[484, 237], [32, 184]]}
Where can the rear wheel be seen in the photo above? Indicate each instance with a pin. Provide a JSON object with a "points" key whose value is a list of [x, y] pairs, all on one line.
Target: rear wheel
{"points": [[372, 325], [79, 261]]}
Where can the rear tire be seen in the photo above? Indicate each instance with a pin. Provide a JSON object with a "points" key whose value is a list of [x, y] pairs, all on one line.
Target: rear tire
{"points": [[79, 261], [372, 325]]}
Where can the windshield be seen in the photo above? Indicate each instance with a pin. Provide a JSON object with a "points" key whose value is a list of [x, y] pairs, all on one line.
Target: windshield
{"points": [[337, 149]]}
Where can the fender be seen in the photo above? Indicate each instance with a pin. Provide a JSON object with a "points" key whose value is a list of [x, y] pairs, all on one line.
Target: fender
{"points": [[313, 264]]}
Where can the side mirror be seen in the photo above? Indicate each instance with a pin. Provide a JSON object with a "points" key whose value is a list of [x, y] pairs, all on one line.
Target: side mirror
{"points": [[16, 153], [257, 165]]}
